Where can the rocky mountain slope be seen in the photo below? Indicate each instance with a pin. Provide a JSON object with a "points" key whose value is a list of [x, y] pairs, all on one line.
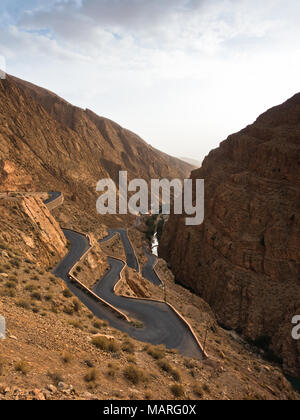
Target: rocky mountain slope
{"points": [[64, 352], [104, 141], [245, 259], [55, 349], [53, 145]]}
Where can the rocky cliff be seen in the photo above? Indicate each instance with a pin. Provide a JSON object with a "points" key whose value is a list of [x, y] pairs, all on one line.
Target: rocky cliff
{"points": [[104, 142], [26, 225], [245, 258], [52, 145]]}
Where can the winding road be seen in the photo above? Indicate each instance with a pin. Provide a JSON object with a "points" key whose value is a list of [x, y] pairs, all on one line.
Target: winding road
{"points": [[160, 324], [130, 255], [53, 196], [148, 270]]}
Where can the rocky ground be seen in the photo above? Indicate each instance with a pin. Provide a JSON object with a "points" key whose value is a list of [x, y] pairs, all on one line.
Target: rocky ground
{"points": [[56, 349], [244, 259]]}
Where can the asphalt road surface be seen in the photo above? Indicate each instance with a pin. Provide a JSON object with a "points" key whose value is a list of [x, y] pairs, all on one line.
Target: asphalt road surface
{"points": [[148, 269], [130, 255], [79, 245], [53, 196], [159, 324]]}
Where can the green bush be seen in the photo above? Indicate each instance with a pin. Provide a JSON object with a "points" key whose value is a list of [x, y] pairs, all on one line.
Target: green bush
{"points": [[160, 227]]}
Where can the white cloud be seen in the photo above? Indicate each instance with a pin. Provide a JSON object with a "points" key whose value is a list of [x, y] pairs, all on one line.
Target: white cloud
{"points": [[181, 73]]}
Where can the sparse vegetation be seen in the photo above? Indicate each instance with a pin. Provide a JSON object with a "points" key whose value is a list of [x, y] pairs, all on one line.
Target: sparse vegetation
{"points": [[177, 390], [198, 391], [112, 370], [55, 376], [122, 368], [105, 344], [76, 324], [206, 388], [2, 366], [137, 324], [22, 367], [148, 396], [76, 305], [22, 303], [66, 357], [30, 287], [166, 367], [157, 352], [97, 324], [36, 296], [160, 227], [67, 294], [69, 310], [15, 263], [150, 223], [91, 375], [10, 285], [128, 346], [134, 374]]}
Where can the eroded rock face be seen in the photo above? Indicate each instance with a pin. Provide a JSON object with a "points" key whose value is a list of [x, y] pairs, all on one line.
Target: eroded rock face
{"points": [[12, 178], [55, 146], [49, 231], [245, 259], [27, 225]]}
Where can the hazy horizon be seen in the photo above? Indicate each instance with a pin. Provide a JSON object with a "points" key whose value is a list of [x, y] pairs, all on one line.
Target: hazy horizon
{"points": [[182, 74]]}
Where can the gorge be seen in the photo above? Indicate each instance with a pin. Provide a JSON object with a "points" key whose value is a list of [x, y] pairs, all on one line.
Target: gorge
{"points": [[244, 261]]}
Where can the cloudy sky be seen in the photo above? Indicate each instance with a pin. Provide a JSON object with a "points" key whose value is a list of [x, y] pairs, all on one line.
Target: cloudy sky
{"points": [[183, 74]]}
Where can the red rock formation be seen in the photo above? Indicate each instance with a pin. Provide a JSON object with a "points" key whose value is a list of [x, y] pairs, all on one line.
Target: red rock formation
{"points": [[12, 178], [69, 149], [245, 259]]}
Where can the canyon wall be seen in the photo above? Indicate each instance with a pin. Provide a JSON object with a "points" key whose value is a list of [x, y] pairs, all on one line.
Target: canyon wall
{"points": [[46, 144], [244, 260]]}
